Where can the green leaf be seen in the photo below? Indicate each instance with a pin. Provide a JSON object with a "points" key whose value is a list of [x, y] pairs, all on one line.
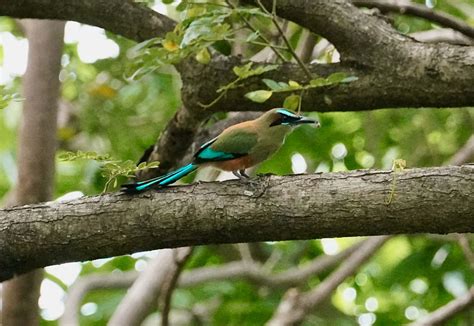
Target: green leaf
{"points": [[273, 85], [263, 69], [318, 82], [336, 77], [292, 102], [242, 71], [294, 84], [259, 96], [203, 56], [246, 70], [223, 47], [153, 165], [182, 5], [349, 79], [253, 36]]}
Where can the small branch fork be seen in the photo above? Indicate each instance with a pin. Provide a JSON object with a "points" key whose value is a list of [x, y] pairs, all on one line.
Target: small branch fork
{"points": [[417, 10]]}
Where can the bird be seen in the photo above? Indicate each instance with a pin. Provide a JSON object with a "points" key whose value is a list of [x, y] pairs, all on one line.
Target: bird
{"points": [[237, 148]]}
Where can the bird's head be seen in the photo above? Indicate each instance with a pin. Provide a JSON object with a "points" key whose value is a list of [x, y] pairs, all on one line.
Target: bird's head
{"points": [[284, 117]]}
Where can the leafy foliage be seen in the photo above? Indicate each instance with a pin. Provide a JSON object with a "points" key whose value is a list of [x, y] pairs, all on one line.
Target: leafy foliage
{"points": [[293, 101], [111, 169], [7, 96], [202, 27], [242, 73]]}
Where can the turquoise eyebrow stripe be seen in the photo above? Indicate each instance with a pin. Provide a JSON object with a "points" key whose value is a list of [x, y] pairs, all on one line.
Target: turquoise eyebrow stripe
{"points": [[287, 113]]}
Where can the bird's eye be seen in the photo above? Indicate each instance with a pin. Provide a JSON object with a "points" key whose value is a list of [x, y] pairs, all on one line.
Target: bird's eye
{"points": [[278, 121]]}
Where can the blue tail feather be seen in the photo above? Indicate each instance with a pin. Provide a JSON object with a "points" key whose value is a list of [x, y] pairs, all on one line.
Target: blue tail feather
{"points": [[163, 180]]}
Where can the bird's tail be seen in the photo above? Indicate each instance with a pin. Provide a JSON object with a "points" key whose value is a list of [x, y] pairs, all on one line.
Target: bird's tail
{"points": [[163, 180]]}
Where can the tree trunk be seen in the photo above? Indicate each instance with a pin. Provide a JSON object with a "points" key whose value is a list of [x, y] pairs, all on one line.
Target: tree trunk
{"points": [[36, 150]]}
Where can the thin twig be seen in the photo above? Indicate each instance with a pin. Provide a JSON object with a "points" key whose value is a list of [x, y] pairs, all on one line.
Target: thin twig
{"points": [[418, 10], [295, 305], [181, 255], [466, 248], [446, 312], [253, 29], [465, 154], [285, 39], [244, 251]]}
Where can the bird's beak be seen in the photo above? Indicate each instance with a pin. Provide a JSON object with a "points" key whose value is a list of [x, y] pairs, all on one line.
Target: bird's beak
{"points": [[307, 120]]}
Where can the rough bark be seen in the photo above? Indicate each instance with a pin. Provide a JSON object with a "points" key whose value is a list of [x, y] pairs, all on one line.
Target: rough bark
{"points": [[126, 18], [440, 76], [393, 70], [275, 208], [36, 149], [173, 143]]}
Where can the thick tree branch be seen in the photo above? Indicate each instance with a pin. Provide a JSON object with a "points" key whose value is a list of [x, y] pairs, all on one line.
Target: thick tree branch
{"points": [[393, 70], [355, 34], [127, 18], [440, 77], [434, 200], [414, 9], [174, 142]]}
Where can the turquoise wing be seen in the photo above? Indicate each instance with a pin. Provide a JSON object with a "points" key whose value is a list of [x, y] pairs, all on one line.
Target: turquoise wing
{"points": [[227, 146]]}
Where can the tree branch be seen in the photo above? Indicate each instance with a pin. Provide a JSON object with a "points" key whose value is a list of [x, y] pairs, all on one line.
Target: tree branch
{"points": [[417, 10], [356, 35], [463, 242], [322, 205], [446, 35], [446, 312], [393, 70], [181, 255], [143, 294], [82, 286], [174, 142], [126, 18], [295, 305], [465, 154], [233, 270], [422, 82]]}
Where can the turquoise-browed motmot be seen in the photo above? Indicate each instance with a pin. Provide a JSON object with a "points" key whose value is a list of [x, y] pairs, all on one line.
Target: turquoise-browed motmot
{"points": [[237, 148]]}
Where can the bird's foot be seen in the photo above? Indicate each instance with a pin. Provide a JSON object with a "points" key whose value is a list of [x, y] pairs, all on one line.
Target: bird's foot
{"points": [[245, 177]]}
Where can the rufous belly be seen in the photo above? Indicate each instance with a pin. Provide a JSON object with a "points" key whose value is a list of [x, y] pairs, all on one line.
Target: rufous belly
{"points": [[240, 163]]}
